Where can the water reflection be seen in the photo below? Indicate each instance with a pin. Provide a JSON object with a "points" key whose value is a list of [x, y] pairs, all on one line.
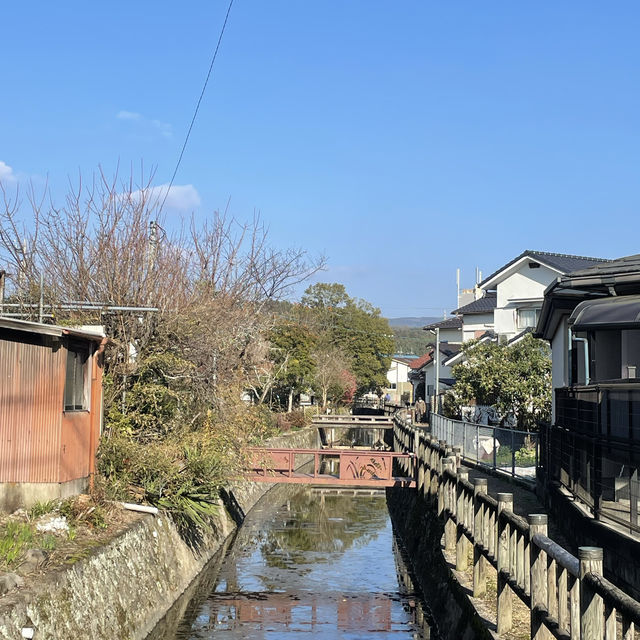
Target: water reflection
{"points": [[319, 565]]}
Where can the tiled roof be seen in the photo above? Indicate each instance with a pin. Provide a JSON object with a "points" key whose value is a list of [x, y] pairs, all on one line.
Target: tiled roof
{"points": [[404, 359], [482, 305], [449, 323], [628, 264], [562, 262], [446, 349], [418, 363]]}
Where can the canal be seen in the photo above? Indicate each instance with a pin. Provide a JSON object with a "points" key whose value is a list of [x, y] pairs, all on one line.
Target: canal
{"points": [[308, 562]]}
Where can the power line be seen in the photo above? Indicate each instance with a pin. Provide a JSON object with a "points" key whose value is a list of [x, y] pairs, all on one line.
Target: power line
{"points": [[195, 113]]}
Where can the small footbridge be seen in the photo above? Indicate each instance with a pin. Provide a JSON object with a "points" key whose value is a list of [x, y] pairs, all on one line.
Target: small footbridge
{"points": [[354, 451]]}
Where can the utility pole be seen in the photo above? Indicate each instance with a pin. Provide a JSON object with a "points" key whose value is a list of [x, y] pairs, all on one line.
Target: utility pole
{"points": [[41, 305], [3, 277], [153, 244], [437, 380]]}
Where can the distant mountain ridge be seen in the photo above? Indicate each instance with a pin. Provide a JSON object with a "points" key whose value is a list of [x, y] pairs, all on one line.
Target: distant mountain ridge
{"points": [[417, 323]]}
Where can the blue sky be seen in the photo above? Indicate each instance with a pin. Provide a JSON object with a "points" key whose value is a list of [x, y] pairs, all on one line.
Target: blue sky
{"points": [[401, 139]]}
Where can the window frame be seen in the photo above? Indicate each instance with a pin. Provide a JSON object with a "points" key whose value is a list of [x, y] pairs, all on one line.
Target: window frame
{"points": [[78, 357], [519, 324]]}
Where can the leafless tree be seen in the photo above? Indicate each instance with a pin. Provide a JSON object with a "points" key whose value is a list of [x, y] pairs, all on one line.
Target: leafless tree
{"points": [[106, 243]]}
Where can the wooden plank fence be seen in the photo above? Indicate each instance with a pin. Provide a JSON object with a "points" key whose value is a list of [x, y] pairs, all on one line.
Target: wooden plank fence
{"points": [[568, 597]]}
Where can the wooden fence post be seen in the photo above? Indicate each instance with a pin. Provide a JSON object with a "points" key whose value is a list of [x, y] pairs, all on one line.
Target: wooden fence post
{"points": [[462, 549], [449, 506], [505, 604], [426, 466], [457, 452], [435, 471], [591, 605], [479, 562], [539, 580], [419, 460]]}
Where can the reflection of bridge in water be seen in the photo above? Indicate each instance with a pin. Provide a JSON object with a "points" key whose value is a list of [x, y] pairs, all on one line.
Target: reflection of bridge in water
{"points": [[306, 612], [355, 453]]}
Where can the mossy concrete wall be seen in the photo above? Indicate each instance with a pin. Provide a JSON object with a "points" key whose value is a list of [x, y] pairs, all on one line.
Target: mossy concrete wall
{"points": [[420, 531], [123, 589]]}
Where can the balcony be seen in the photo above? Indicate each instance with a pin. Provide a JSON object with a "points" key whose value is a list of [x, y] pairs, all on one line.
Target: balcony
{"points": [[593, 449], [605, 411]]}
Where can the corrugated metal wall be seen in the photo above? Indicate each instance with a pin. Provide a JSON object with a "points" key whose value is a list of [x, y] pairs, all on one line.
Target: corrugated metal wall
{"points": [[31, 388]]}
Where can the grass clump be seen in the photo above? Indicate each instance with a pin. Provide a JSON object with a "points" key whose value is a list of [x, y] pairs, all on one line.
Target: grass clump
{"points": [[40, 509], [15, 539]]}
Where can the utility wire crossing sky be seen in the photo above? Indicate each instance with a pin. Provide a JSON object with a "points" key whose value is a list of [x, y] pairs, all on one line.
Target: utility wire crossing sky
{"points": [[401, 140]]}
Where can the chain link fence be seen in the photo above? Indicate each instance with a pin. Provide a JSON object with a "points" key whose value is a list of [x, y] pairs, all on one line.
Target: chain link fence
{"points": [[508, 450]]}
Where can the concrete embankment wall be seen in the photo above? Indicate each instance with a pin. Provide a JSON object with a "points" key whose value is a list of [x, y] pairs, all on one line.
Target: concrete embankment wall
{"points": [[124, 589], [420, 531]]}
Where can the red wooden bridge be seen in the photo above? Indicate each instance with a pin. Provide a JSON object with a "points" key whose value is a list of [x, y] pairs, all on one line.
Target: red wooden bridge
{"points": [[337, 467]]}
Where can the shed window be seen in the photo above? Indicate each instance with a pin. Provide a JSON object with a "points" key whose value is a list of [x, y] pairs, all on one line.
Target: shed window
{"points": [[75, 388]]}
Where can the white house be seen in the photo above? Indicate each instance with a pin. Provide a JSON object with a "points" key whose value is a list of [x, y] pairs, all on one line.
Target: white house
{"points": [[477, 316], [519, 288], [398, 378], [507, 304], [450, 330]]}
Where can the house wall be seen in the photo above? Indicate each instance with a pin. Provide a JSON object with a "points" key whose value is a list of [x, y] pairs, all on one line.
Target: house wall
{"points": [[430, 375], [398, 372], [451, 335], [523, 284], [474, 323], [398, 375]]}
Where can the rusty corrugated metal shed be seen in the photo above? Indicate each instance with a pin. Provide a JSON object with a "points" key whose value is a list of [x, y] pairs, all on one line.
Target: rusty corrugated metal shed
{"points": [[39, 442], [31, 388]]}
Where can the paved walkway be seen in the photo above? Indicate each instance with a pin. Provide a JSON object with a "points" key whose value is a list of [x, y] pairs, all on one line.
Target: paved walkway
{"points": [[525, 501]]}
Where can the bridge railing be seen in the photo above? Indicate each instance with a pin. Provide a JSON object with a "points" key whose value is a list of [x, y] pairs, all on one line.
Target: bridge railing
{"points": [[568, 597], [509, 451]]}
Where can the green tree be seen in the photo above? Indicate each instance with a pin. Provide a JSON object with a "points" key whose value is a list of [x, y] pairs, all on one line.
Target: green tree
{"points": [[515, 379], [325, 296], [355, 327], [292, 346]]}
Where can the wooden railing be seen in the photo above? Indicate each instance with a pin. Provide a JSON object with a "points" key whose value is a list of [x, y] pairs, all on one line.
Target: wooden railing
{"points": [[568, 597]]}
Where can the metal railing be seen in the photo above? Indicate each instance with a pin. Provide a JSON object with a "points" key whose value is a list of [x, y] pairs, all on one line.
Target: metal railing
{"points": [[507, 450], [568, 597], [593, 449]]}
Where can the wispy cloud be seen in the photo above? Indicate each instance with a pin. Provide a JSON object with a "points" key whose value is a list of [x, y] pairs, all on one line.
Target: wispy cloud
{"points": [[163, 128], [181, 197], [128, 115], [7, 175]]}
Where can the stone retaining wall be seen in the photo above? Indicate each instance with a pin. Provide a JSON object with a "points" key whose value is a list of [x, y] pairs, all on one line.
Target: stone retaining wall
{"points": [[123, 589], [421, 531]]}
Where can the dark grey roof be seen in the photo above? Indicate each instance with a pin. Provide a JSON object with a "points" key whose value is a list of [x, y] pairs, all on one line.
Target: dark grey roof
{"points": [[482, 305], [628, 264], [563, 262], [449, 323]]}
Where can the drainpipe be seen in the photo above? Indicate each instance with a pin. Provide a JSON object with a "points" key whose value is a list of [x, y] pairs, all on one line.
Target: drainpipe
{"points": [[96, 412], [585, 342]]}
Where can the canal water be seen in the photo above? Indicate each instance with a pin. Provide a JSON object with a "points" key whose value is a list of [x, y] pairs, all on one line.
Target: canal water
{"points": [[312, 564]]}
